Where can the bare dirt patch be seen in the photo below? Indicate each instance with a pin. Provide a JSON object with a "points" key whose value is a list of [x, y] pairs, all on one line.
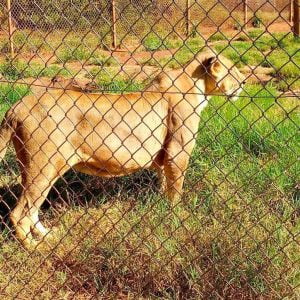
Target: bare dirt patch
{"points": [[134, 58]]}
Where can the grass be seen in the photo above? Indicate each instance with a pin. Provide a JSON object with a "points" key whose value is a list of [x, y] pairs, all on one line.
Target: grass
{"points": [[42, 42], [255, 33], [236, 228], [153, 41], [77, 53], [264, 130], [289, 84], [68, 46], [17, 69], [104, 61], [279, 51], [9, 94], [285, 62], [218, 36], [180, 57], [241, 53], [113, 82], [85, 54]]}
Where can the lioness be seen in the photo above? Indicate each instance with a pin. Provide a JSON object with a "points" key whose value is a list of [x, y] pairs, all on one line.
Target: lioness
{"points": [[111, 135]]}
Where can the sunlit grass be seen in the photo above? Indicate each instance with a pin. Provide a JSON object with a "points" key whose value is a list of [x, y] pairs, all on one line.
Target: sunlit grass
{"points": [[18, 69], [10, 94], [155, 41], [181, 56], [114, 82]]}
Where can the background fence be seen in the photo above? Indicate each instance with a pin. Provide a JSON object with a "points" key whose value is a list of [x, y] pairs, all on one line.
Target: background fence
{"points": [[235, 232], [116, 19]]}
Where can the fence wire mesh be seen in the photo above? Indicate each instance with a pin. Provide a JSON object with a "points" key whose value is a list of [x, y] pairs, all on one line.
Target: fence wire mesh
{"points": [[150, 149]]}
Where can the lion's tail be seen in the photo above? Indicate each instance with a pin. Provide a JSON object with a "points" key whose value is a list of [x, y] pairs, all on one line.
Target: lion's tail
{"points": [[6, 131]]}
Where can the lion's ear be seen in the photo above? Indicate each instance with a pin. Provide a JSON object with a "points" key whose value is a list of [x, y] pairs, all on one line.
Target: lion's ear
{"points": [[214, 66]]}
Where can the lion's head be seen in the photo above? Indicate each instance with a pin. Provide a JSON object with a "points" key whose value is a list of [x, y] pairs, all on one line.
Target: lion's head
{"points": [[220, 75]]}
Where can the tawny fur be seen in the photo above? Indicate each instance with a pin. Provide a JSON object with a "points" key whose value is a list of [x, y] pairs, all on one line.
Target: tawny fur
{"points": [[110, 135]]}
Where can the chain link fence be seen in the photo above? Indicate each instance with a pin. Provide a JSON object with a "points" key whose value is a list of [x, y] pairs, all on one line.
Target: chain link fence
{"points": [[150, 149]]}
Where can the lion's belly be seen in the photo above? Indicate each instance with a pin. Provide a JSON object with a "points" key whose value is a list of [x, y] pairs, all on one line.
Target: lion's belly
{"points": [[105, 169], [121, 151], [118, 143], [124, 160]]}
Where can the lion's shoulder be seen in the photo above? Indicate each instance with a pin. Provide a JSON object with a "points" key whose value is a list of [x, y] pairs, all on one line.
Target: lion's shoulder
{"points": [[167, 80]]}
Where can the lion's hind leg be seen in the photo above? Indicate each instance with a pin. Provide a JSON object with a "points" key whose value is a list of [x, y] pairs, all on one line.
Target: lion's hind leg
{"points": [[45, 181], [21, 219], [25, 216]]}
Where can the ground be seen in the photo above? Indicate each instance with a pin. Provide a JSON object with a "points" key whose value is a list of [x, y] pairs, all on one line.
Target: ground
{"points": [[236, 233]]}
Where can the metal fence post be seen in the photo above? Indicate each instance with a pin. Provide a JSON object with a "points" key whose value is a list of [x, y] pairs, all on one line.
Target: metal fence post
{"points": [[296, 18], [114, 29], [187, 17], [10, 29], [245, 13], [291, 10]]}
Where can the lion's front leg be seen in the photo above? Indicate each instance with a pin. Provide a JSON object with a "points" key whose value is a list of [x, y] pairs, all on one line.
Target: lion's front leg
{"points": [[174, 183], [174, 169], [162, 181]]}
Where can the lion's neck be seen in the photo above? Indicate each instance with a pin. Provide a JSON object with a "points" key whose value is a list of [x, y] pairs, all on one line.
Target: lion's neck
{"points": [[202, 99], [203, 102], [186, 81], [198, 76]]}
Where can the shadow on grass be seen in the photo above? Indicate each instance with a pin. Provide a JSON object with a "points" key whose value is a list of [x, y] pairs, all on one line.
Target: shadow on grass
{"points": [[77, 189], [81, 189], [8, 200]]}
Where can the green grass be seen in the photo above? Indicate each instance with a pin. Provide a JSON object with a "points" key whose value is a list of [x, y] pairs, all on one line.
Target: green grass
{"points": [[113, 82], [288, 84], [255, 33], [241, 53], [42, 42], [181, 56], [104, 60], [218, 36], [153, 41], [85, 54], [263, 130], [77, 53], [27, 41], [278, 51], [284, 55], [10, 94], [236, 228], [286, 61], [17, 69]]}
